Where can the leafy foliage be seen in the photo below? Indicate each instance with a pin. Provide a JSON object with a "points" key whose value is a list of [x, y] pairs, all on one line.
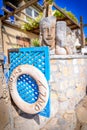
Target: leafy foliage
{"points": [[58, 14], [86, 39], [35, 42], [49, 1], [72, 16], [34, 23]]}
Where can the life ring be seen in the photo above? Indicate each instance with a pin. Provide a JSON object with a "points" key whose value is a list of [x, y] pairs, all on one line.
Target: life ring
{"points": [[41, 81]]}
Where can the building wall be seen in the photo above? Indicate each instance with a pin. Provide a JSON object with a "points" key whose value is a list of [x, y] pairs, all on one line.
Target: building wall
{"points": [[9, 37]]}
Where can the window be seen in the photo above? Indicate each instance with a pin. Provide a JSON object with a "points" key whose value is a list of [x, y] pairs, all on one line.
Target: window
{"points": [[35, 14], [29, 11], [32, 12]]}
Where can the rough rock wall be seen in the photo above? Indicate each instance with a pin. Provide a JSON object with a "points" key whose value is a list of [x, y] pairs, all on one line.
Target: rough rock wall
{"points": [[68, 87]]}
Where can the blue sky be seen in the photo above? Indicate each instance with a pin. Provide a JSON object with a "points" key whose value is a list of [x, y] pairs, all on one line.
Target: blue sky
{"points": [[77, 7]]}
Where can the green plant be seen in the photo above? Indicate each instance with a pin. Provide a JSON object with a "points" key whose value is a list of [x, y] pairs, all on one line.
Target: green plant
{"points": [[49, 1], [58, 14], [72, 16], [86, 39], [33, 23], [35, 42]]}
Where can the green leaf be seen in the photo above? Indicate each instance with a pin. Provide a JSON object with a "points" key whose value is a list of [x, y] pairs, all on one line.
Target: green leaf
{"points": [[35, 42]]}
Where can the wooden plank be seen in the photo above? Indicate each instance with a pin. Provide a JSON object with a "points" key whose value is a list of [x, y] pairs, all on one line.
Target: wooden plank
{"points": [[81, 29], [11, 5], [35, 4], [59, 9], [84, 25], [74, 27], [70, 24], [62, 19], [19, 9], [38, 6], [14, 26], [17, 17], [14, 7]]}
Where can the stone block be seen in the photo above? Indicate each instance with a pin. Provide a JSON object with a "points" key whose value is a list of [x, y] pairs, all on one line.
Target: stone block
{"points": [[74, 61], [82, 114], [62, 98], [53, 62], [72, 103], [76, 69], [52, 79], [69, 62], [54, 87], [71, 83], [52, 124], [69, 116], [81, 61], [84, 127], [54, 68], [60, 68], [70, 93], [54, 103], [65, 71]]}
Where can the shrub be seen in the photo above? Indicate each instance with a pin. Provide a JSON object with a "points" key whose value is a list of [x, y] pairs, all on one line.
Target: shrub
{"points": [[35, 23], [58, 14], [35, 42]]}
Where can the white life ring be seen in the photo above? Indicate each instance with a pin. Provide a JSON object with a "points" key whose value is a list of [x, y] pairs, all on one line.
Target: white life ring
{"points": [[42, 86]]}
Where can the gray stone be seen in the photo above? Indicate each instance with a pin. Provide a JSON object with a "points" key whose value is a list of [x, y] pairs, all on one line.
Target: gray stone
{"points": [[84, 127], [47, 31], [61, 33]]}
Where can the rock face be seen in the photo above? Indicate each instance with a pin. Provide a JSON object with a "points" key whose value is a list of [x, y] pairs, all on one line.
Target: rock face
{"points": [[81, 112], [47, 31]]}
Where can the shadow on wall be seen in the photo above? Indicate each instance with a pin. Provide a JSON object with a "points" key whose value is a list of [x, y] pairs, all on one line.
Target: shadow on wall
{"points": [[16, 41], [35, 117]]}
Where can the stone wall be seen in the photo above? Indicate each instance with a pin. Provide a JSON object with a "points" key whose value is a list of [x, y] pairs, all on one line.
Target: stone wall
{"points": [[68, 87]]}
